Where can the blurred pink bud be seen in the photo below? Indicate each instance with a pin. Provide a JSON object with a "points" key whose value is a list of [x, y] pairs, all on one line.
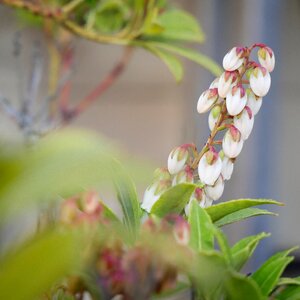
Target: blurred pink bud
{"points": [[266, 58], [215, 191], [244, 122], [200, 196], [177, 159], [236, 100], [215, 83], [161, 173], [253, 101], [183, 176], [207, 99], [209, 167], [232, 142], [91, 203], [260, 81], [226, 81], [233, 59]]}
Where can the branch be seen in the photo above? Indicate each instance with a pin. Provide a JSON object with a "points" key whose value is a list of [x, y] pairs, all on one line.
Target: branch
{"points": [[112, 76]]}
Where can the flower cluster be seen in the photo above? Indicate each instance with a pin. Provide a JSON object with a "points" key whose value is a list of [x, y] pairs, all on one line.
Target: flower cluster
{"points": [[233, 100]]}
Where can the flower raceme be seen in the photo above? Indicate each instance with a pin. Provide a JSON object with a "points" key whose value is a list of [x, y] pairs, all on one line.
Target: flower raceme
{"points": [[232, 100]]}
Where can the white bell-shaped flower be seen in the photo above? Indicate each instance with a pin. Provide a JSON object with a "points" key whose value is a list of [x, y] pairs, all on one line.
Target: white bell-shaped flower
{"points": [[207, 99], [232, 142], [153, 192], [244, 122], [266, 58], [226, 81], [227, 167], [215, 83], [215, 191], [253, 101], [177, 159], [260, 81], [236, 100], [208, 202], [233, 59], [209, 167], [213, 116], [200, 196]]}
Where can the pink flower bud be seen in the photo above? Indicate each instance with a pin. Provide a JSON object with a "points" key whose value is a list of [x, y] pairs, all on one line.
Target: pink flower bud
{"points": [[207, 99], [233, 59], [200, 196], [260, 81], [153, 192], [244, 122], [266, 58], [215, 83], [226, 81], [209, 167], [183, 176], [227, 167], [232, 142], [215, 191], [177, 159], [236, 100], [213, 116], [253, 102]]}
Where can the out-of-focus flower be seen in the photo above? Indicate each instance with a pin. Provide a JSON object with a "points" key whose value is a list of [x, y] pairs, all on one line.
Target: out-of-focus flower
{"points": [[161, 173], [226, 81], [209, 167], [260, 81], [200, 197], [244, 122], [183, 176], [266, 58], [236, 100], [253, 101], [232, 142], [233, 59], [207, 100], [215, 191]]}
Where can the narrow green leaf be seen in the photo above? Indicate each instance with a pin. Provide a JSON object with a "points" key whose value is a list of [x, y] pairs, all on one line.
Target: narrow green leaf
{"points": [[289, 281], [223, 209], [108, 213], [173, 200], [181, 26], [244, 249], [239, 287], [201, 236], [174, 65], [223, 244], [269, 273], [35, 267], [243, 214], [291, 292]]}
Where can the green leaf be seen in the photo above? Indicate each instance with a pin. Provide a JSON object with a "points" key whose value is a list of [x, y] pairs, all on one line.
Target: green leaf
{"points": [[181, 26], [128, 199], [223, 244], [223, 209], [170, 60], [240, 287], [269, 273], [243, 214], [36, 266], [289, 293], [173, 200], [190, 54], [201, 236], [289, 281], [244, 249], [108, 213]]}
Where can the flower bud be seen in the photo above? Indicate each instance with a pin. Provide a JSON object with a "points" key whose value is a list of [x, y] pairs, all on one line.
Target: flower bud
{"points": [[266, 58], [226, 81], [253, 101], [209, 167], [161, 173], [260, 81], [207, 99], [181, 229], [227, 166], [183, 176], [233, 59], [91, 203], [213, 116], [177, 159], [215, 83], [200, 196], [236, 100], [153, 192], [244, 122], [232, 142], [215, 191]]}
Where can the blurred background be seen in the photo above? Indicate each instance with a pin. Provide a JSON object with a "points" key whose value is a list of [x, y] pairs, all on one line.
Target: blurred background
{"points": [[146, 113]]}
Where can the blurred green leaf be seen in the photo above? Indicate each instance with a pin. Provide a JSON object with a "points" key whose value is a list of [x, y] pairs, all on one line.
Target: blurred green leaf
{"points": [[223, 244], [239, 287], [170, 60], [223, 209], [173, 200], [269, 273], [243, 214], [289, 293], [37, 265], [181, 26], [201, 235], [108, 213], [244, 249], [289, 281], [181, 286]]}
